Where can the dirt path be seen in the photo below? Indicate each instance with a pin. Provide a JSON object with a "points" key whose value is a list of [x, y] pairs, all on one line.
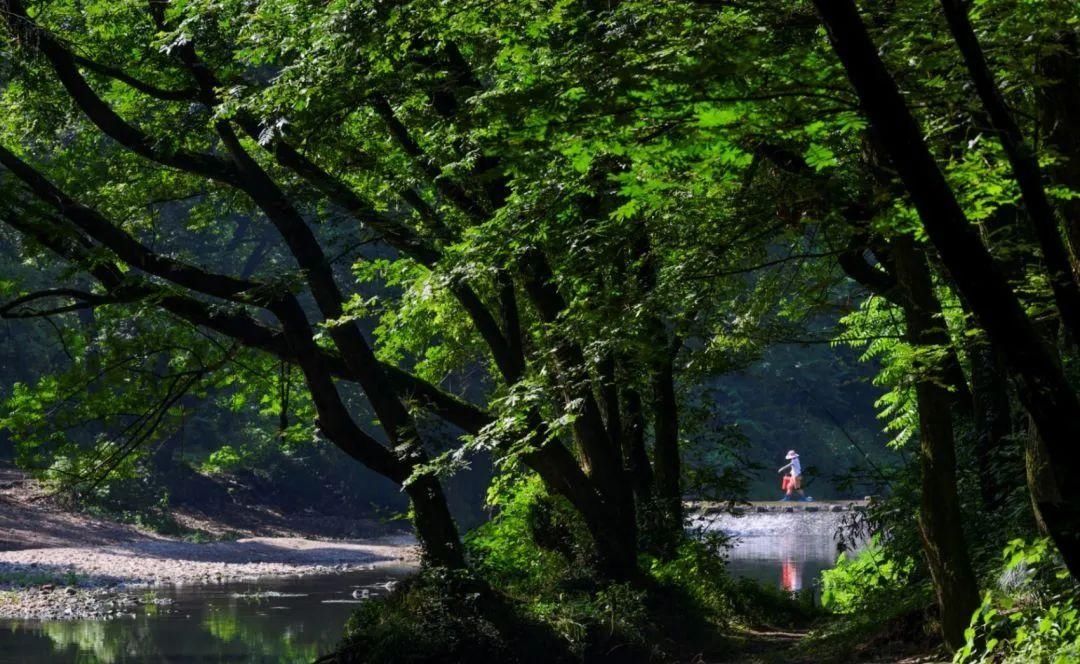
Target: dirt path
{"points": [[768, 646], [765, 645]]}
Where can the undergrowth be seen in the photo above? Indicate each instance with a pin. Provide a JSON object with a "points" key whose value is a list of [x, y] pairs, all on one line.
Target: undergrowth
{"points": [[534, 596], [882, 608]]}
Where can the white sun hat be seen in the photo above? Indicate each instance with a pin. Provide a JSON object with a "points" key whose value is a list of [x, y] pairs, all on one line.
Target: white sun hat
{"points": [[791, 454]]}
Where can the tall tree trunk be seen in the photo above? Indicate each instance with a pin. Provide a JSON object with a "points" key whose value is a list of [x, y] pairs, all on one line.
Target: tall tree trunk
{"points": [[1041, 385], [602, 497], [1040, 476], [635, 458], [600, 454], [940, 519], [608, 398], [667, 466], [434, 524]]}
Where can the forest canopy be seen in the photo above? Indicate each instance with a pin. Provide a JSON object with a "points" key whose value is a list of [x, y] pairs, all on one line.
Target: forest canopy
{"points": [[556, 237]]}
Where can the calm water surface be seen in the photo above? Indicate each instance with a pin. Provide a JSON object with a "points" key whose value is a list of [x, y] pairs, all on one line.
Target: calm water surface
{"points": [[273, 620], [298, 619], [785, 550]]}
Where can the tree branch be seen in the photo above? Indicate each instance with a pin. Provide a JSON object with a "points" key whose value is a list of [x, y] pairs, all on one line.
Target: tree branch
{"points": [[96, 109], [183, 94], [83, 300]]}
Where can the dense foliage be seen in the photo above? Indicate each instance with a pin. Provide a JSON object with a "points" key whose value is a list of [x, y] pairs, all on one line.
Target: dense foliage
{"points": [[562, 238]]}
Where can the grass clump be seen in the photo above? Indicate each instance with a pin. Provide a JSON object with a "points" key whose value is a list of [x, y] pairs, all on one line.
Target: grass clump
{"points": [[28, 578]]}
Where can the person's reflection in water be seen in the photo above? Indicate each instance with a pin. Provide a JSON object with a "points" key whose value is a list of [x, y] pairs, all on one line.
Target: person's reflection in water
{"points": [[790, 575]]}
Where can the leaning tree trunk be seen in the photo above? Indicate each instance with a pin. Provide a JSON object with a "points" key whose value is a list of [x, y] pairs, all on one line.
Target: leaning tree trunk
{"points": [[1025, 167], [435, 528], [434, 525], [940, 519], [1041, 385]]}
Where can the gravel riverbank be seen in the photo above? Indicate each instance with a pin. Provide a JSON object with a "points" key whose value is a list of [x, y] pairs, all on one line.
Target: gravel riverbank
{"points": [[111, 581]]}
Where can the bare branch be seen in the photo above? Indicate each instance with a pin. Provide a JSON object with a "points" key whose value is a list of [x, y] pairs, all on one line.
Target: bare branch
{"points": [[83, 300]]}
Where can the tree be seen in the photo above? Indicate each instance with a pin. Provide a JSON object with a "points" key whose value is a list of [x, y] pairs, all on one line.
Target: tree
{"points": [[561, 251], [1042, 387]]}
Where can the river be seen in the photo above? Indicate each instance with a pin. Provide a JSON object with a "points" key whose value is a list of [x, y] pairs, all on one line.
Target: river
{"points": [[286, 619], [788, 550], [274, 620]]}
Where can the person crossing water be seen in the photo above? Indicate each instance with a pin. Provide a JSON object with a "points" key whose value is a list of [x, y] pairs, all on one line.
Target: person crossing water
{"points": [[793, 481]]}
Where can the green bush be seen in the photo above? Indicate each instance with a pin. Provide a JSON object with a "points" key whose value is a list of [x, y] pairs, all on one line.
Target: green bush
{"points": [[223, 460], [856, 583], [538, 595], [533, 543], [446, 617]]}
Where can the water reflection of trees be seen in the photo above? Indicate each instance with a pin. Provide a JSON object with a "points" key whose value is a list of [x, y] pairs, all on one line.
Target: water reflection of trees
{"points": [[262, 635], [220, 631], [99, 641]]}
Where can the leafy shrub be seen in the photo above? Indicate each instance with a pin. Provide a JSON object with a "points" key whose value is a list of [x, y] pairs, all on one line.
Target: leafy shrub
{"points": [[857, 582], [537, 551], [697, 568], [882, 606], [534, 542], [223, 460], [550, 603], [1032, 615]]}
